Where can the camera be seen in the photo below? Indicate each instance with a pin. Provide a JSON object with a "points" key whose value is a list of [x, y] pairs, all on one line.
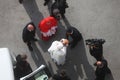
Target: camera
{"points": [[95, 41]]}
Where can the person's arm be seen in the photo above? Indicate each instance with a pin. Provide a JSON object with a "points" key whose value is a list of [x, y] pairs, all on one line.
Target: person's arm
{"points": [[67, 35], [59, 45], [24, 36], [91, 50]]}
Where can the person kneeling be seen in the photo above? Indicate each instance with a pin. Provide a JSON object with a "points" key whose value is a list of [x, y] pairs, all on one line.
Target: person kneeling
{"points": [[58, 51]]}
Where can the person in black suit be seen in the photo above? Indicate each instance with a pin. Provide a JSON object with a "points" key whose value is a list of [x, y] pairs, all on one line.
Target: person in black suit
{"points": [[75, 35], [28, 34], [61, 5], [101, 69], [96, 51]]}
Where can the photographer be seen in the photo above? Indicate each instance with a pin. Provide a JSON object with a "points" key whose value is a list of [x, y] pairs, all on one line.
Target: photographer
{"points": [[96, 48], [102, 69]]}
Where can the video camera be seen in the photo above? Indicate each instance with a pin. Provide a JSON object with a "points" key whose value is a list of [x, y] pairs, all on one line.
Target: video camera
{"points": [[95, 41]]}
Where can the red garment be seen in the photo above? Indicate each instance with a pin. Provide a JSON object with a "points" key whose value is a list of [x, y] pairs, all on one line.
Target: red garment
{"points": [[47, 23], [46, 26]]}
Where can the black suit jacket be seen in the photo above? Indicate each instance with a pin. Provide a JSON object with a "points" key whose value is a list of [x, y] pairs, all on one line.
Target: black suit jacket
{"points": [[27, 35], [101, 72], [76, 35]]}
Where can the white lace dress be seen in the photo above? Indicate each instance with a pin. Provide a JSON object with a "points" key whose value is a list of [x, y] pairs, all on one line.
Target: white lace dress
{"points": [[58, 52]]}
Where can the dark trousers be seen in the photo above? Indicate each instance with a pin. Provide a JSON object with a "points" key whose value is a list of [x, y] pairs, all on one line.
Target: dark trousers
{"points": [[29, 43]]}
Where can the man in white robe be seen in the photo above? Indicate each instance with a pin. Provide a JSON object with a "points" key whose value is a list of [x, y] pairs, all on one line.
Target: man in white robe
{"points": [[58, 51]]}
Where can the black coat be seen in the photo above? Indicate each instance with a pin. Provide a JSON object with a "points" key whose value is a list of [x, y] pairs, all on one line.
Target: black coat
{"points": [[27, 35], [101, 72], [22, 69], [76, 35]]}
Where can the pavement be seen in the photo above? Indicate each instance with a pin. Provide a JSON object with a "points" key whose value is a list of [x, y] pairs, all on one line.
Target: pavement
{"points": [[93, 18]]}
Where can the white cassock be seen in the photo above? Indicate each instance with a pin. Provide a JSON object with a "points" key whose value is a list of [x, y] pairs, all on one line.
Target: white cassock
{"points": [[58, 52]]}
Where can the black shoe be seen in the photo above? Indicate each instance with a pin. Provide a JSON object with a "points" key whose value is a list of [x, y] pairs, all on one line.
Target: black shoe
{"points": [[30, 48], [20, 1], [45, 3], [35, 39], [95, 64], [108, 71], [66, 6]]}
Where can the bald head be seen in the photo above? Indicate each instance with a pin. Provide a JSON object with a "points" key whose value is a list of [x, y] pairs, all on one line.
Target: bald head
{"points": [[24, 56], [99, 62], [64, 41], [30, 27]]}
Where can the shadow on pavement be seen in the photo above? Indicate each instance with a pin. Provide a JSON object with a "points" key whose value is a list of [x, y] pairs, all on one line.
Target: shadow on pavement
{"points": [[49, 6], [77, 65], [66, 22], [33, 12], [37, 57], [39, 60]]}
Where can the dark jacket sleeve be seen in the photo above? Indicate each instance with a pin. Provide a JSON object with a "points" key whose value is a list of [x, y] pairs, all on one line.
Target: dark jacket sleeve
{"points": [[24, 35], [91, 51]]}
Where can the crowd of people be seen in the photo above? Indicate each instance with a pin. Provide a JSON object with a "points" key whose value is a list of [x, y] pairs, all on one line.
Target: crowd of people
{"points": [[58, 49]]}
